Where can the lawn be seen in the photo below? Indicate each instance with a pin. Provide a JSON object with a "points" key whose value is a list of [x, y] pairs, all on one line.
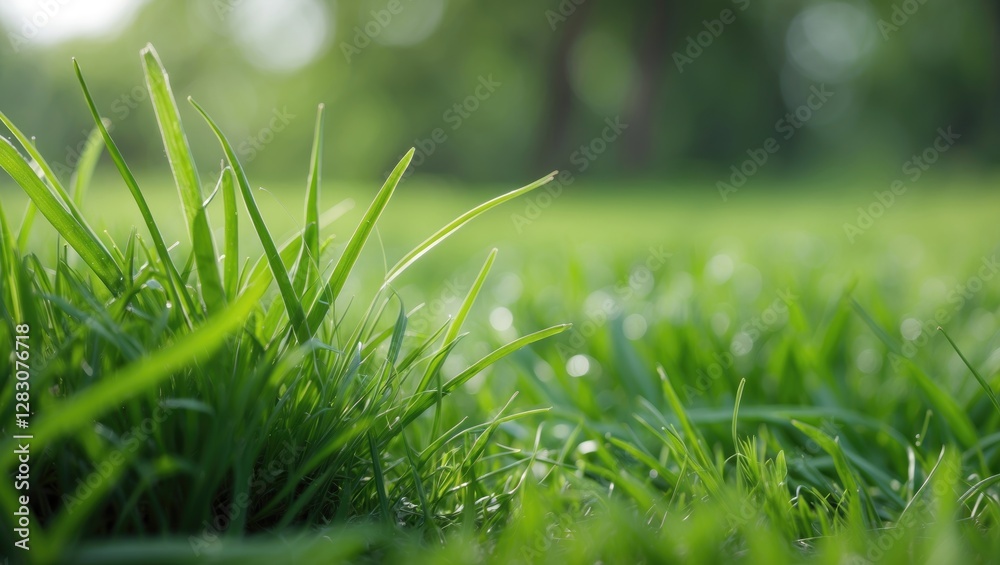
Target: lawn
{"points": [[741, 381]]}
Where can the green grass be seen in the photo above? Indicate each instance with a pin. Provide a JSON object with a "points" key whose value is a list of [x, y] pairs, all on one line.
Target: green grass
{"points": [[739, 383]]}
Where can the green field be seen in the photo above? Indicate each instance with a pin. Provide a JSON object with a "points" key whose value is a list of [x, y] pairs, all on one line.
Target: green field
{"points": [[740, 381]]}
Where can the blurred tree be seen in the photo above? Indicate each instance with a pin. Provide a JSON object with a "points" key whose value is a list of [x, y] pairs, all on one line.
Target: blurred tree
{"points": [[393, 72]]}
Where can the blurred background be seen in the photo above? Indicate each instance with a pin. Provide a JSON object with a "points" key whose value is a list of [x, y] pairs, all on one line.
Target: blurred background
{"points": [[505, 92]]}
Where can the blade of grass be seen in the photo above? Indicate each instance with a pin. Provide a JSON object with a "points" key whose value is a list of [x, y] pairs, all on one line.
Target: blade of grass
{"points": [[434, 367], [423, 403], [736, 442], [982, 382], [456, 324], [231, 265], [379, 479], [678, 407], [925, 484], [308, 263], [979, 488], [457, 223], [60, 191], [29, 220], [182, 166], [293, 306], [85, 167], [177, 288], [335, 282]]}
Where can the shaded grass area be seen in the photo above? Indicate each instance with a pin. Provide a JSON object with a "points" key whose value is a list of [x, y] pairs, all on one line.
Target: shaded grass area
{"points": [[741, 382]]}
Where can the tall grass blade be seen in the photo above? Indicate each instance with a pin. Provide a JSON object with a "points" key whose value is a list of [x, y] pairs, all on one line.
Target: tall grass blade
{"points": [[293, 306], [456, 324], [177, 288], [185, 173], [308, 265], [335, 282], [231, 263], [678, 407]]}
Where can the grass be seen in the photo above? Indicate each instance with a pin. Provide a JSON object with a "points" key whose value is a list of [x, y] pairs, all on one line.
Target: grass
{"points": [[742, 393]]}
